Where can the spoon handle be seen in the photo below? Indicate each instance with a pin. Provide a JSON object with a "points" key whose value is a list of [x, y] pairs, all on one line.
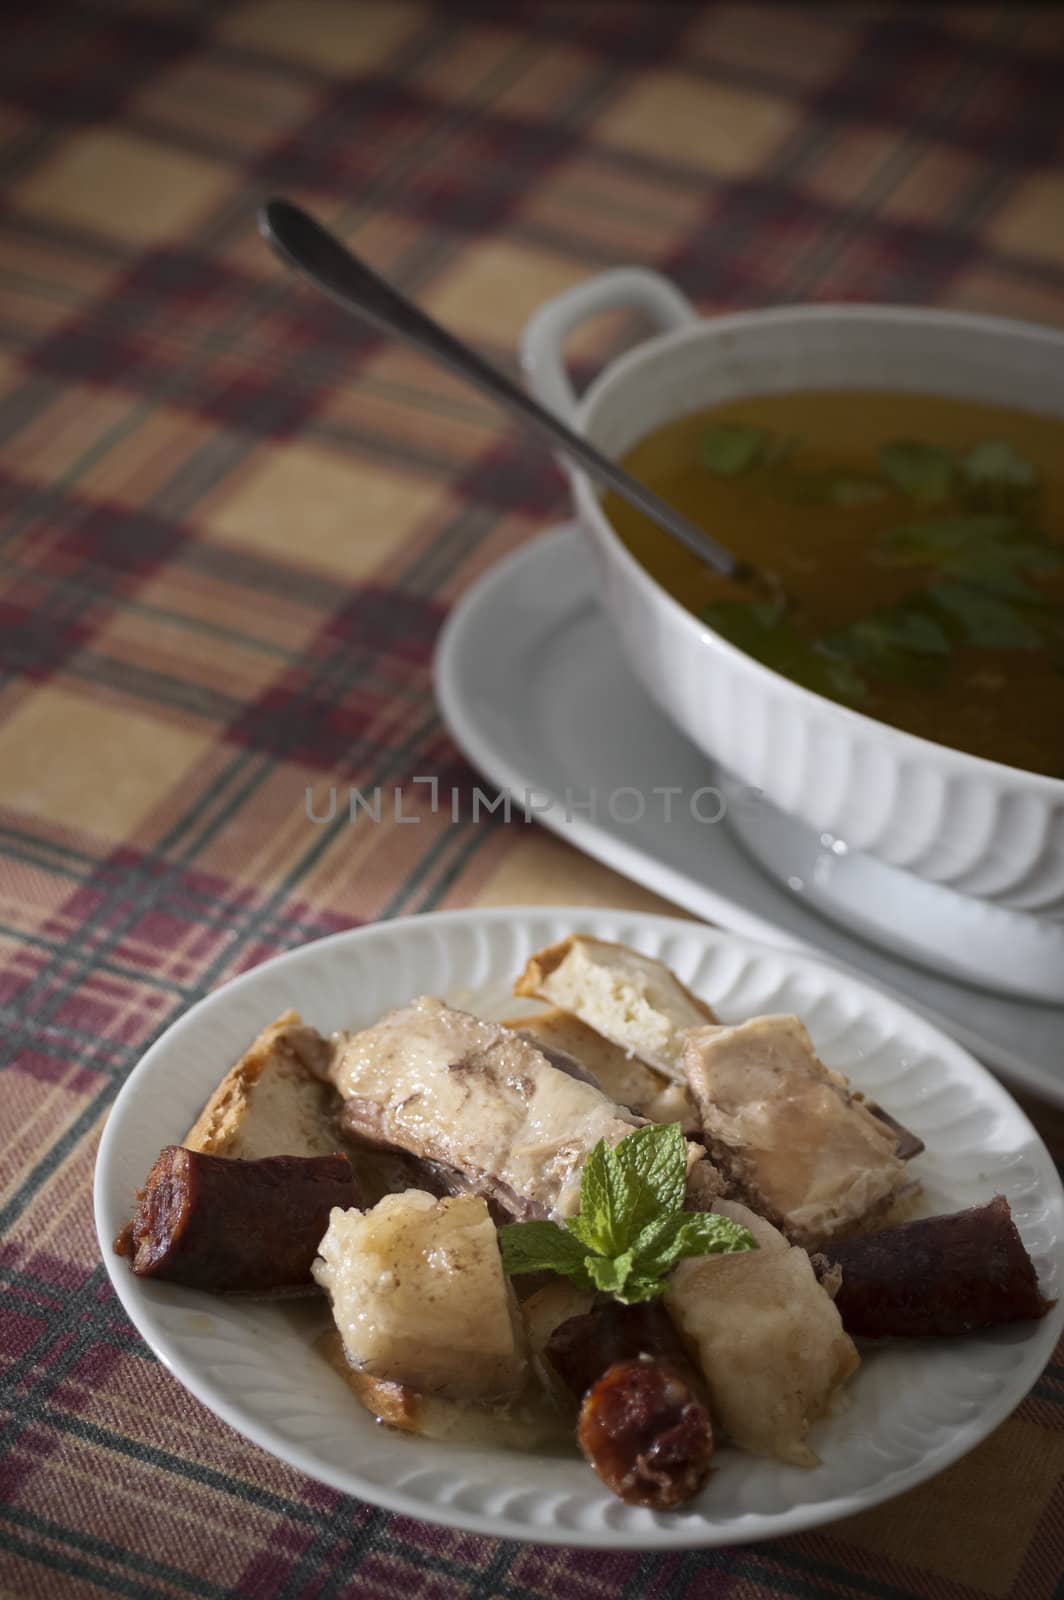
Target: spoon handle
{"points": [[319, 255]]}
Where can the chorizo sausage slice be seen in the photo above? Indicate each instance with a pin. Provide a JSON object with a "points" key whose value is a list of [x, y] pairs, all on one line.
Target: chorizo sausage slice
{"points": [[644, 1425], [934, 1276], [213, 1222]]}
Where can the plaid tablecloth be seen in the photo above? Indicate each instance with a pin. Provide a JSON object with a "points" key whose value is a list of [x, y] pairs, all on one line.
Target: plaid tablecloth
{"points": [[232, 526]]}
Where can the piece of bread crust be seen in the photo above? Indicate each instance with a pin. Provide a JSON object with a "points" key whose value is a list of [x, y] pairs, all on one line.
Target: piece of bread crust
{"points": [[626, 1079], [631, 999], [270, 1103]]}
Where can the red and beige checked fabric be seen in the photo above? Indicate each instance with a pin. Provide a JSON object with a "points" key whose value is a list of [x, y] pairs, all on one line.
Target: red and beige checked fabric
{"points": [[232, 524]]}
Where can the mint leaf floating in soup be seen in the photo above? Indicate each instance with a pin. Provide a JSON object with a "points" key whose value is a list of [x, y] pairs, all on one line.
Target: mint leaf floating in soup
{"points": [[931, 543], [762, 630], [997, 568], [902, 628], [988, 552], [995, 474], [986, 619], [631, 1228], [731, 448], [924, 472], [904, 643]]}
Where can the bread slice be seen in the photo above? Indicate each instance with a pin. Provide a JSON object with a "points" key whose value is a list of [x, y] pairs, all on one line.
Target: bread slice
{"points": [[623, 1077], [270, 1103], [631, 999]]}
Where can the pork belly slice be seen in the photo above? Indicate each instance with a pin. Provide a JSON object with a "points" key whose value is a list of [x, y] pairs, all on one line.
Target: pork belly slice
{"points": [[793, 1142], [622, 1077], [452, 1088], [768, 1340], [632, 1000], [420, 1298]]}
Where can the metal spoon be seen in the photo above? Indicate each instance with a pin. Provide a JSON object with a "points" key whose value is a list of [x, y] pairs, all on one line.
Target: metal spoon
{"points": [[319, 255]]}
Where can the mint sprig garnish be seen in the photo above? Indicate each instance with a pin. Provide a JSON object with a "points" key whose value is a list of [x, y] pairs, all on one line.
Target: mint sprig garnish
{"points": [[631, 1228]]}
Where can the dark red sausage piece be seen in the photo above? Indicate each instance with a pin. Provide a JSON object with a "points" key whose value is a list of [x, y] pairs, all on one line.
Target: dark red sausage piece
{"points": [[211, 1222], [936, 1276], [646, 1435], [643, 1425]]}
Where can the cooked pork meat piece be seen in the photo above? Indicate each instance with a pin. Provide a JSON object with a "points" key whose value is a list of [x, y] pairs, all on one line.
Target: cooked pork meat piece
{"points": [[768, 1340], [558, 1057], [935, 1276], [632, 1000], [419, 1296], [906, 1143], [622, 1077], [453, 1088], [792, 1141]]}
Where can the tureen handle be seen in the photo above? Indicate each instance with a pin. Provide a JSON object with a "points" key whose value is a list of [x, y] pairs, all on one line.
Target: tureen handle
{"points": [[543, 341]]}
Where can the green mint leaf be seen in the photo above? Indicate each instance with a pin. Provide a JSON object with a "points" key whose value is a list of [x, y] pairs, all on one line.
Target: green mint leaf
{"points": [[542, 1247], [922, 471], [874, 641], [610, 1275], [998, 461], [657, 1239], [654, 1162], [985, 619], [606, 1202], [707, 1234], [731, 448], [687, 1233], [985, 552], [631, 1228], [994, 473], [765, 632], [836, 679], [930, 543], [902, 644], [994, 568], [640, 1288]]}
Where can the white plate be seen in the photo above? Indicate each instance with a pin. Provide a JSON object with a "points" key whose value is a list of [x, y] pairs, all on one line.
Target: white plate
{"points": [[913, 1410], [534, 689]]}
